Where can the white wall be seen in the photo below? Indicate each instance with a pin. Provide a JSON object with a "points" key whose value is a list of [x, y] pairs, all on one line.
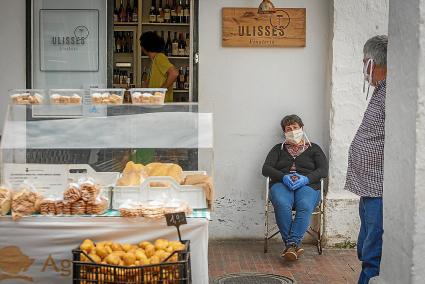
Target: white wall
{"points": [[354, 23], [404, 181], [249, 90], [12, 51]]}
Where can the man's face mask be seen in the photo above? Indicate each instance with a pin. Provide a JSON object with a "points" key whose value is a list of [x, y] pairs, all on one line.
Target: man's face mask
{"points": [[294, 136], [367, 73]]}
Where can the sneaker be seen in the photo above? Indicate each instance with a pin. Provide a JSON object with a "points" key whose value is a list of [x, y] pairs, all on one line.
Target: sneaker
{"points": [[290, 253], [299, 251]]}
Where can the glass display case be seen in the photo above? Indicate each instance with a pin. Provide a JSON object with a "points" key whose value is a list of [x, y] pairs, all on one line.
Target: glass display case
{"points": [[52, 145]]}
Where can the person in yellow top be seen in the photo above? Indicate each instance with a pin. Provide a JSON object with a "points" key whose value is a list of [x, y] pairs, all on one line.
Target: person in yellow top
{"points": [[163, 73]]}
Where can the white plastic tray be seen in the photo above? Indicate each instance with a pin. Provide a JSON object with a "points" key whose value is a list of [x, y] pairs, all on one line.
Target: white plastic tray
{"points": [[193, 195]]}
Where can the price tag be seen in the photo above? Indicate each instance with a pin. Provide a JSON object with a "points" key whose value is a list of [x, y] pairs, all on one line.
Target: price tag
{"points": [[176, 219]]}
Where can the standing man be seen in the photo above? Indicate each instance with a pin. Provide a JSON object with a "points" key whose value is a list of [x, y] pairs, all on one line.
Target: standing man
{"points": [[365, 173]]}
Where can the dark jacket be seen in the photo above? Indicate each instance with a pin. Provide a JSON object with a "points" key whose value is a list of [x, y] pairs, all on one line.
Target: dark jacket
{"points": [[312, 163]]}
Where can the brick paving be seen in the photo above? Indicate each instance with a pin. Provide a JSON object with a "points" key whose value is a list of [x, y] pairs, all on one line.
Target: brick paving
{"points": [[334, 266]]}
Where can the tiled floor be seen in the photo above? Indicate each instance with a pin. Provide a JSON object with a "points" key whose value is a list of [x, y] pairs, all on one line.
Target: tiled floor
{"points": [[334, 266]]}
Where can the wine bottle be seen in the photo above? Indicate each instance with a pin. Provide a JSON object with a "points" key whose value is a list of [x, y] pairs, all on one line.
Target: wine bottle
{"points": [[135, 16], [175, 46], [119, 42], [128, 11], [144, 77], [123, 17], [187, 49], [167, 12], [124, 42], [160, 15], [186, 12], [182, 45], [168, 46], [116, 13], [181, 79], [179, 12], [186, 79], [130, 42], [152, 12], [173, 11]]}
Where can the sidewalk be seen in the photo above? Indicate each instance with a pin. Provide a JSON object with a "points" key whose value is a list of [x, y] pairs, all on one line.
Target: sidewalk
{"points": [[334, 266]]}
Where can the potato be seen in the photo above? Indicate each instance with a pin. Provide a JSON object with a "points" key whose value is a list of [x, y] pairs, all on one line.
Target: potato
{"points": [[108, 249], [154, 260], [143, 245], [120, 253], [116, 247], [87, 245], [102, 251], [126, 247], [95, 258], [112, 259], [140, 254], [177, 245], [129, 259], [173, 258], [149, 250], [145, 261], [161, 244], [169, 249]]}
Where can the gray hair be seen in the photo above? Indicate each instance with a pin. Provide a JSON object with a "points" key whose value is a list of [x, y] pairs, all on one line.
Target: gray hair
{"points": [[376, 48], [289, 120]]}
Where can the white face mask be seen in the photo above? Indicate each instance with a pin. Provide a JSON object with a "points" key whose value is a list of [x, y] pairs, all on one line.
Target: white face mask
{"points": [[368, 76], [294, 136]]}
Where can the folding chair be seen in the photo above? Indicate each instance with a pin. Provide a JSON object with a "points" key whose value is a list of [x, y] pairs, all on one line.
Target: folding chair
{"points": [[272, 230]]}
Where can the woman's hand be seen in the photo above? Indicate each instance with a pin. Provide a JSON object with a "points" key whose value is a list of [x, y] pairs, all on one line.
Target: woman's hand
{"points": [[302, 181], [288, 181]]}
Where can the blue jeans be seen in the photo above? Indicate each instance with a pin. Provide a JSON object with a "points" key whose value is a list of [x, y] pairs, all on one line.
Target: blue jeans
{"points": [[369, 242], [304, 200]]}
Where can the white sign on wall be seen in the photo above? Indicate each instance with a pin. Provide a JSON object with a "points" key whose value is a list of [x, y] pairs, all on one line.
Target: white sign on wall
{"points": [[69, 40]]}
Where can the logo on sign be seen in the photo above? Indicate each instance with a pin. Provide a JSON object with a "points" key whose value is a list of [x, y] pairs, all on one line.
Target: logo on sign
{"points": [[274, 28], [13, 262], [70, 42]]}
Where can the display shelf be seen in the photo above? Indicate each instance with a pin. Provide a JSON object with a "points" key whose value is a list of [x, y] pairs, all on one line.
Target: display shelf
{"points": [[180, 91], [165, 24], [126, 23], [170, 57]]}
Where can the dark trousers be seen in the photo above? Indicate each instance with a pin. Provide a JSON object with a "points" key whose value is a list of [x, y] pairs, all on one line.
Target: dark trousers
{"points": [[369, 243]]}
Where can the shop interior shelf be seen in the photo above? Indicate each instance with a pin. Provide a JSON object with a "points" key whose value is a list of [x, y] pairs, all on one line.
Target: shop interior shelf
{"points": [[171, 57], [125, 23], [165, 24]]}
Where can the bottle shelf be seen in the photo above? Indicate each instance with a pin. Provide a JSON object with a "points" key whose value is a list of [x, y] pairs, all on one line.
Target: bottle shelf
{"points": [[180, 91], [170, 57], [165, 24], [126, 23]]}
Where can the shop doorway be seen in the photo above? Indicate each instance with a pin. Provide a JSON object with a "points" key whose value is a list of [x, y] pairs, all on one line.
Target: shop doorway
{"points": [[176, 21]]}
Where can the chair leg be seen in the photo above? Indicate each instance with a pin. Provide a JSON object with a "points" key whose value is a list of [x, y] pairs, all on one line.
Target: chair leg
{"points": [[319, 234], [266, 225]]}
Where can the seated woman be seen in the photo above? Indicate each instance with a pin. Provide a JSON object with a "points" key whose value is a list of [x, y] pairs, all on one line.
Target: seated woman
{"points": [[295, 168]]}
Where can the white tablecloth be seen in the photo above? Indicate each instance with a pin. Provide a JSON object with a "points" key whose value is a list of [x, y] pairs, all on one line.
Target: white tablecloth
{"points": [[44, 244]]}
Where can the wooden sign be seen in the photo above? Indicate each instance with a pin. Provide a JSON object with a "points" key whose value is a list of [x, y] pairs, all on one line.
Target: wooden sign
{"points": [[244, 27]]}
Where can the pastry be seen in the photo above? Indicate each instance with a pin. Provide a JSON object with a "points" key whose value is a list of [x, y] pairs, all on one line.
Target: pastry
{"points": [[24, 203], [27, 98], [89, 191], [148, 98], [73, 193], [65, 100], [5, 201], [106, 98]]}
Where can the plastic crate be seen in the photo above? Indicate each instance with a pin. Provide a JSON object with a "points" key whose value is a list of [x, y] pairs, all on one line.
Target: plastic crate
{"points": [[163, 273]]}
